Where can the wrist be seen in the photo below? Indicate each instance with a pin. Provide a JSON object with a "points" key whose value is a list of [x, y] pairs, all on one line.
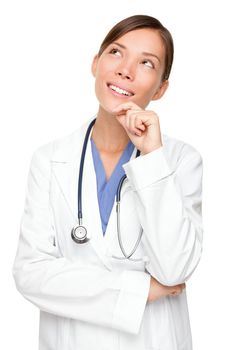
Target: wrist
{"points": [[150, 149]]}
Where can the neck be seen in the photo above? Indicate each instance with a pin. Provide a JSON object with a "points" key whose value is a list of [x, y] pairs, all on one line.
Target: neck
{"points": [[108, 134]]}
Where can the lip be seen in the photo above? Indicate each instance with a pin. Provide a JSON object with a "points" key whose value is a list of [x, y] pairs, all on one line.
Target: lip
{"points": [[121, 87]]}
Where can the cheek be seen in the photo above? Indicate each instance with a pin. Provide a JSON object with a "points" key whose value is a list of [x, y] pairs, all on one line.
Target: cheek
{"points": [[148, 90], [146, 94], [101, 73], [103, 67], [98, 81], [152, 85], [148, 79]]}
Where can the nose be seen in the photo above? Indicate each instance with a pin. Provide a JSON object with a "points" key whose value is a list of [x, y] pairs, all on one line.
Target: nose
{"points": [[125, 71], [124, 75]]}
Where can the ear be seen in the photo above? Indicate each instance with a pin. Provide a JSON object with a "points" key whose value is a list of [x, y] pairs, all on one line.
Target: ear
{"points": [[94, 65], [161, 90]]}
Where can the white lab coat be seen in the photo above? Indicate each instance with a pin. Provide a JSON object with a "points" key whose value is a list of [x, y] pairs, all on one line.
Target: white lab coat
{"points": [[88, 299]]}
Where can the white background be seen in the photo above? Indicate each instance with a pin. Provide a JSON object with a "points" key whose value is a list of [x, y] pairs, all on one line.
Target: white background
{"points": [[47, 91]]}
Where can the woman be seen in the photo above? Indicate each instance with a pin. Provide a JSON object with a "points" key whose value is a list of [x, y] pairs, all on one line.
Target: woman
{"points": [[104, 281]]}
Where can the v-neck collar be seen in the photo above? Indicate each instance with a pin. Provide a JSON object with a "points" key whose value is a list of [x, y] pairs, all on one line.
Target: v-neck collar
{"points": [[106, 189], [125, 156]]}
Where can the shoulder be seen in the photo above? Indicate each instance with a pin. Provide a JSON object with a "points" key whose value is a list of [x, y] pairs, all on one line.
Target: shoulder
{"points": [[64, 148], [179, 152]]}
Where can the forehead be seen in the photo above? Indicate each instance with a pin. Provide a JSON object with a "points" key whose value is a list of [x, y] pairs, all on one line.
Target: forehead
{"points": [[143, 40]]}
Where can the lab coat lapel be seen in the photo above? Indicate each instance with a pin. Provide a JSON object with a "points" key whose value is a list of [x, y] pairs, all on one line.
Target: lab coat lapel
{"points": [[65, 167], [90, 204]]}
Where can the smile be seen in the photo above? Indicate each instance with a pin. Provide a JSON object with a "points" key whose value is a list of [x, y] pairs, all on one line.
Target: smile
{"points": [[119, 90]]}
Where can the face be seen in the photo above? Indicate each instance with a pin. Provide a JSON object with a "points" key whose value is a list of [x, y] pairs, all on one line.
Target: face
{"points": [[130, 69]]}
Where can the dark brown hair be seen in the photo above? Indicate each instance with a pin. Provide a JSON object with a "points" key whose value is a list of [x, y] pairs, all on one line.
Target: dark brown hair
{"points": [[138, 22]]}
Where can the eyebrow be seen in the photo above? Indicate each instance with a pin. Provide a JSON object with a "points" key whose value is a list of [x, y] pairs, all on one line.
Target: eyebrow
{"points": [[143, 53]]}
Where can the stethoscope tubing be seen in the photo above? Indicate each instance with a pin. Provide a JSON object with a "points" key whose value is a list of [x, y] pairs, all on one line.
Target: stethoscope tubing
{"points": [[81, 166], [79, 227]]}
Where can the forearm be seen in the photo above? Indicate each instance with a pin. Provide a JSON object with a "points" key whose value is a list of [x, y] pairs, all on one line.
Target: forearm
{"points": [[83, 292], [170, 218]]}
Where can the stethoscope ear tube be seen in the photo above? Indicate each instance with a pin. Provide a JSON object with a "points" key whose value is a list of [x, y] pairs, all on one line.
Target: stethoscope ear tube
{"points": [[118, 193], [81, 166], [126, 256]]}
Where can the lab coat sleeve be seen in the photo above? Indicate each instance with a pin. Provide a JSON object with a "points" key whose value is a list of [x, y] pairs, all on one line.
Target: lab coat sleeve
{"points": [[168, 204], [67, 288]]}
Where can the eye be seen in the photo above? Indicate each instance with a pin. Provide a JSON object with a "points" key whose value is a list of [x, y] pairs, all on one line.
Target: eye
{"points": [[115, 52], [148, 63]]}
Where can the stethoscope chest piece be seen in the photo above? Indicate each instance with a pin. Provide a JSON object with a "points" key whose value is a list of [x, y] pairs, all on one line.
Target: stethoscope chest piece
{"points": [[79, 234]]}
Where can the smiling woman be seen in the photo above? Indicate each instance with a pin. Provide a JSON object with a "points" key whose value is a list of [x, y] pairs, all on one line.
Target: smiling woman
{"points": [[134, 71], [107, 281]]}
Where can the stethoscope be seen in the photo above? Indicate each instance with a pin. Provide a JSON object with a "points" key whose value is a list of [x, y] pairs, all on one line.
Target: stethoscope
{"points": [[79, 232]]}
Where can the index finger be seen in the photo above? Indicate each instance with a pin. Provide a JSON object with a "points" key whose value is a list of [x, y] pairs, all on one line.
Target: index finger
{"points": [[125, 107]]}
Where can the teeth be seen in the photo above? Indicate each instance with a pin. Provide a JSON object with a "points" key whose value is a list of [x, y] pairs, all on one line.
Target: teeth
{"points": [[120, 91]]}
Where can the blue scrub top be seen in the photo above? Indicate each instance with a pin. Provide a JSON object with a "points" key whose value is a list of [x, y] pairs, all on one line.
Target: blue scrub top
{"points": [[106, 189]]}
